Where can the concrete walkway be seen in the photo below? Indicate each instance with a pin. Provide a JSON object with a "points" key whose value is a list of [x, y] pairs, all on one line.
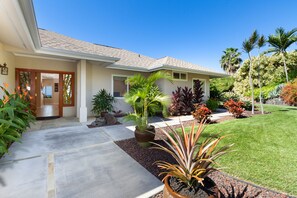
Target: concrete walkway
{"points": [[71, 162], [54, 160]]}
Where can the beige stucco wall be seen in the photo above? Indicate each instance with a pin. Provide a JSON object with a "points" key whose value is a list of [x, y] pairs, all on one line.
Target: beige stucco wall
{"points": [[99, 77], [168, 87], [52, 65], [9, 58]]}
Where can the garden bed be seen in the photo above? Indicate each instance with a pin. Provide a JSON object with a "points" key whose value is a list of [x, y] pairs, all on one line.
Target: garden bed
{"points": [[228, 185]]}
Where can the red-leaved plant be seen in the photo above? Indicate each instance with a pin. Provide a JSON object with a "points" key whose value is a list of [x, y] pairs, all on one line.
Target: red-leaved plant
{"points": [[289, 93], [234, 107], [201, 113], [194, 160]]}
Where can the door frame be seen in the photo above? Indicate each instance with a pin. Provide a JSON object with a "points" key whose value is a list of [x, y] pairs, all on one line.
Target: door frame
{"points": [[34, 78]]}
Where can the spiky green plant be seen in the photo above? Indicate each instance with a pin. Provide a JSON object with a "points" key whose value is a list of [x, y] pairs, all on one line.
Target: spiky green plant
{"points": [[194, 161]]}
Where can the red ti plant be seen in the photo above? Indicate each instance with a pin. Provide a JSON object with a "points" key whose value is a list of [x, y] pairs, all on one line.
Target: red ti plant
{"points": [[177, 104], [234, 107], [289, 93], [201, 113]]}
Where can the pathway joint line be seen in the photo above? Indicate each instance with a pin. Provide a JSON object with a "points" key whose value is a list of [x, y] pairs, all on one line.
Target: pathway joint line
{"points": [[51, 187]]}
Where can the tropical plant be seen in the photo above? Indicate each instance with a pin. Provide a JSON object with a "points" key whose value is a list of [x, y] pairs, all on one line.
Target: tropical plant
{"points": [[194, 161], [198, 92], [275, 93], [230, 61], [280, 42], [212, 104], [248, 46], [270, 69], [187, 98], [261, 42], [234, 107], [102, 102], [15, 116], [143, 95], [177, 105], [289, 93], [201, 113]]}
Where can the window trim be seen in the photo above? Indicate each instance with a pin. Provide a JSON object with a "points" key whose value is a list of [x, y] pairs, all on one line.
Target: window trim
{"points": [[179, 72], [112, 84]]}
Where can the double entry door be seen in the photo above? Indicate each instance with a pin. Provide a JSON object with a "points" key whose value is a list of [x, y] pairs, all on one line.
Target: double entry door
{"points": [[49, 91]]}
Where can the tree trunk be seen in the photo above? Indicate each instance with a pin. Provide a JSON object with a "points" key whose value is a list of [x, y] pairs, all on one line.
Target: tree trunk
{"points": [[285, 67], [260, 86], [251, 84]]}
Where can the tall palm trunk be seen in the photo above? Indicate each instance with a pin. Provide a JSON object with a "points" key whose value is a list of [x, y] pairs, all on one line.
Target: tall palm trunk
{"points": [[285, 67], [260, 86], [251, 84]]}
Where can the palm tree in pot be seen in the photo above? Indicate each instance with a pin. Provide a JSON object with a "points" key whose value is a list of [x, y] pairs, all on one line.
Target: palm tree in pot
{"points": [[144, 96]]}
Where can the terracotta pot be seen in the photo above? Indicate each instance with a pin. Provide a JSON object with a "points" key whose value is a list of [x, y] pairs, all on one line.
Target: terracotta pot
{"points": [[168, 192], [102, 114], [144, 138]]}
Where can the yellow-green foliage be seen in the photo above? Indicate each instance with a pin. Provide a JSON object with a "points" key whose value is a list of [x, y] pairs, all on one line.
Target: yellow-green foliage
{"points": [[271, 72]]}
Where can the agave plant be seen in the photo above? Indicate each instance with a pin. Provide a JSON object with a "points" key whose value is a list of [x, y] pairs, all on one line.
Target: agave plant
{"points": [[194, 161]]}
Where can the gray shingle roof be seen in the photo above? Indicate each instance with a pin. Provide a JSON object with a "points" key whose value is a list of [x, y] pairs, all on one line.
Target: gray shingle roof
{"points": [[127, 58]]}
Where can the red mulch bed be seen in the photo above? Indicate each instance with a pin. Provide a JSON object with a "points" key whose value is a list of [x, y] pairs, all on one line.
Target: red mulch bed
{"points": [[229, 186]]}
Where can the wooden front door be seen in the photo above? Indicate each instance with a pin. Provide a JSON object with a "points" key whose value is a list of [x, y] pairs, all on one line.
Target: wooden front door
{"points": [[31, 80], [25, 81]]}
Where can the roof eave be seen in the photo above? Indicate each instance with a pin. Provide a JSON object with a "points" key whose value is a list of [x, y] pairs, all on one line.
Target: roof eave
{"points": [[195, 71], [76, 55], [27, 9]]}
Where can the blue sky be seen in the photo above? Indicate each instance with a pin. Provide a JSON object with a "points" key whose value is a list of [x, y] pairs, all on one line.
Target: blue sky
{"points": [[196, 31]]}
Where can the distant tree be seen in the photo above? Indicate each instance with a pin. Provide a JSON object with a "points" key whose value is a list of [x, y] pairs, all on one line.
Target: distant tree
{"points": [[230, 61], [280, 42], [261, 42], [248, 46]]}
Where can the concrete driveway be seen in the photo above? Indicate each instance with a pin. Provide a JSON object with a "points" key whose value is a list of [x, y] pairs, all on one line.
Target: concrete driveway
{"points": [[72, 162]]}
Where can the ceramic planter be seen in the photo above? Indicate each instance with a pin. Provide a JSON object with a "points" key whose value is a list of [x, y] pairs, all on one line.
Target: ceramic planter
{"points": [[144, 138], [211, 190]]}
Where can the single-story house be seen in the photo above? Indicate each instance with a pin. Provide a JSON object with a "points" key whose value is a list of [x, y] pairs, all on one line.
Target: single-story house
{"points": [[62, 74]]}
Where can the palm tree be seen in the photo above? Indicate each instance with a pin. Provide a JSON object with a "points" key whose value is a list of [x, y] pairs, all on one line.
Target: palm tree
{"points": [[260, 44], [230, 61], [248, 46], [280, 43], [144, 96]]}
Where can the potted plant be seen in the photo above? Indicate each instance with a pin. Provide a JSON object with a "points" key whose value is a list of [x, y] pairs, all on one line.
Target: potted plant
{"points": [[144, 96], [102, 103], [188, 177]]}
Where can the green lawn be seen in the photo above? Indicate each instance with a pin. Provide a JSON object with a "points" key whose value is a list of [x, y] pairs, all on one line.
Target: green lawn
{"points": [[266, 148]]}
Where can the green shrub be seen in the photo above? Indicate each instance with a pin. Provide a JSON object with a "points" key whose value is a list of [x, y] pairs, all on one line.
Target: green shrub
{"points": [[225, 96], [247, 105], [102, 102], [212, 104], [15, 117], [265, 92]]}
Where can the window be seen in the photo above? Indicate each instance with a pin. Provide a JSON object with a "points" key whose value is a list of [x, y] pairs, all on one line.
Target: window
{"points": [[68, 89], [179, 76], [47, 91], [119, 86]]}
